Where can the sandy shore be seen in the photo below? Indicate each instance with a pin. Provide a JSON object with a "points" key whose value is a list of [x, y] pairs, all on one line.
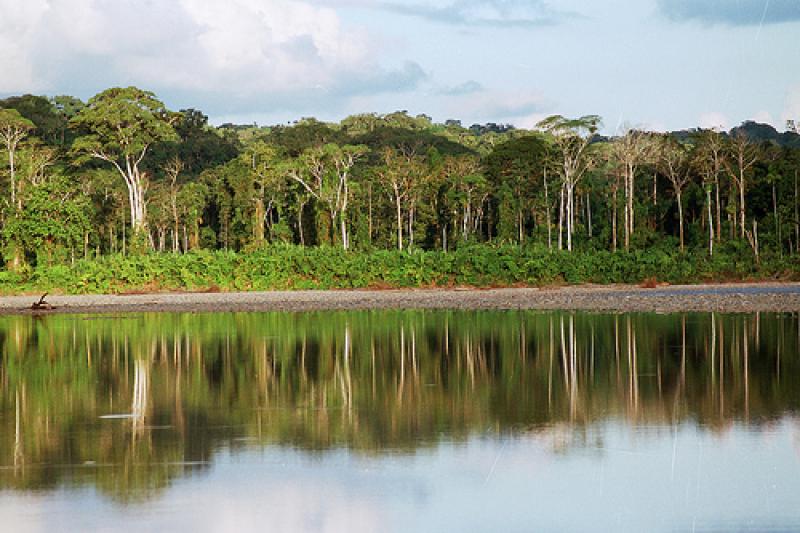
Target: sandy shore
{"points": [[778, 297]]}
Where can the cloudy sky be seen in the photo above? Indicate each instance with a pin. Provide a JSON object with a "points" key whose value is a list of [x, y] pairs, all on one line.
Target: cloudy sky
{"points": [[652, 63]]}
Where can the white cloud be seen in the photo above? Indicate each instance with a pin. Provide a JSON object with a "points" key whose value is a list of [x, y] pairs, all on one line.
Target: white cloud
{"points": [[494, 105], [791, 110], [764, 117], [486, 13], [714, 119], [238, 49], [16, 32]]}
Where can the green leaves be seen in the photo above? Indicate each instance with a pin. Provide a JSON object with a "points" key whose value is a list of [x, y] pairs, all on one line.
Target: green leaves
{"points": [[280, 267], [123, 121], [53, 216], [12, 123]]}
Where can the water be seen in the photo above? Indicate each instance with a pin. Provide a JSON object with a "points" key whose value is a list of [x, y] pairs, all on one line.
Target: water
{"points": [[400, 421]]}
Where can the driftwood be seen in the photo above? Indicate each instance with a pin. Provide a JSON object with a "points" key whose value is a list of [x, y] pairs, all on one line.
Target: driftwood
{"points": [[41, 305]]}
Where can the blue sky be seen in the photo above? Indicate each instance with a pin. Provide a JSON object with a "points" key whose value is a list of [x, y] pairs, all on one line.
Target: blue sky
{"points": [[663, 64]]}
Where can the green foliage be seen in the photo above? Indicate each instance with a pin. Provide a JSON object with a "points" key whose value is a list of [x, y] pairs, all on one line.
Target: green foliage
{"points": [[53, 218], [283, 266], [122, 122], [501, 200]]}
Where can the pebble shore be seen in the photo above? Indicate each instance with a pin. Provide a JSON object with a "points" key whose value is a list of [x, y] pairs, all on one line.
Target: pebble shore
{"points": [[733, 298]]}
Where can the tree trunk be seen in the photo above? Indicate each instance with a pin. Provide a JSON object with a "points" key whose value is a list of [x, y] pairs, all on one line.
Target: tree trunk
{"points": [[589, 214], [547, 207], [300, 223], [258, 222], [796, 216], [718, 206], [614, 216], [13, 174], [570, 214], [136, 200], [741, 203], [561, 218], [412, 211], [655, 190], [680, 217], [777, 219], [399, 214], [345, 236], [627, 214], [343, 214], [630, 229], [710, 226], [369, 213]]}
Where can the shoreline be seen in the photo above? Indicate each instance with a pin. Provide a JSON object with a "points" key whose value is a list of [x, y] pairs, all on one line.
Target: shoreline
{"points": [[731, 298]]}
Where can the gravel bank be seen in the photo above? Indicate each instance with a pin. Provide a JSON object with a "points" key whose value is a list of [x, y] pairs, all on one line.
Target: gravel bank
{"points": [[739, 298]]}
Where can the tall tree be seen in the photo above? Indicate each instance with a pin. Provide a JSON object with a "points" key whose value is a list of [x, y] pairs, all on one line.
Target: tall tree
{"points": [[401, 173], [469, 190], [123, 124], [674, 163], [572, 138], [173, 169], [266, 184], [710, 155], [13, 129], [742, 155], [325, 173], [632, 150], [516, 168]]}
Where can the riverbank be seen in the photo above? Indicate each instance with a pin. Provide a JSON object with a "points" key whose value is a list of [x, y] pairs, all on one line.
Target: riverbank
{"points": [[733, 298]]}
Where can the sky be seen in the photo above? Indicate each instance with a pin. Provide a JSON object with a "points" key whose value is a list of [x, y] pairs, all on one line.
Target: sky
{"points": [[658, 64]]}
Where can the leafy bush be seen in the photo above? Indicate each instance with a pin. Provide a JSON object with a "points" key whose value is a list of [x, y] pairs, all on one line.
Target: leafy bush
{"points": [[284, 266]]}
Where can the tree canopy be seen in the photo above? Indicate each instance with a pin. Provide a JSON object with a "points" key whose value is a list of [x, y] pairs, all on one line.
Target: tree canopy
{"points": [[375, 181]]}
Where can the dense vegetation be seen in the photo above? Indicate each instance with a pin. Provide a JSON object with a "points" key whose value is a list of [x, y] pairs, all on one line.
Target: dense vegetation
{"points": [[94, 189]]}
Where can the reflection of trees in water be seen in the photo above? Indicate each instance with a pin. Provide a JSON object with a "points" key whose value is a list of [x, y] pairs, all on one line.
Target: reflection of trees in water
{"points": [[371, 381]]}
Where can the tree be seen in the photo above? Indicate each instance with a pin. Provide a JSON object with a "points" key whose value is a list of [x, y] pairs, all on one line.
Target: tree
{"points": [[469, 190], [54, 215], [515, 166], [572, 138], [123, 124], [325, 173], [631, 150], [201, 146], [13, 129], [265, 185], [710, 156], [173, 169], [401, 173], [674, 162], [742, 155]]}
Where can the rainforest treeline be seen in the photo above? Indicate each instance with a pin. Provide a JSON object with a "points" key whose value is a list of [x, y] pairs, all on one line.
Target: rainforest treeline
{"points": [[122, 174]]}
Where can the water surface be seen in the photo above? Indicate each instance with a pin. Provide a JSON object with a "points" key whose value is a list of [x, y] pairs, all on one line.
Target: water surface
{"points": [[400, 421]]}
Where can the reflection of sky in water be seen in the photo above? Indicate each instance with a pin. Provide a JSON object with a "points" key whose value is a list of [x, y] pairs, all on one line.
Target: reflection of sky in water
{"points": [[612, 477], [400, 421]]}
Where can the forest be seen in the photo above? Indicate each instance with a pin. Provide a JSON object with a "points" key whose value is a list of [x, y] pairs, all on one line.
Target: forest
{"points": [[120, 192]]}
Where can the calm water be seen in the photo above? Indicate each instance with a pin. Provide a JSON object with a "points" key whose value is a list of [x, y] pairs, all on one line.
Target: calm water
{"points": [[400, 421]]}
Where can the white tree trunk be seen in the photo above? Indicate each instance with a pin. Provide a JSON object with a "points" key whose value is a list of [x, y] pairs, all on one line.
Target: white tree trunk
{"points": [[710, 225]]}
